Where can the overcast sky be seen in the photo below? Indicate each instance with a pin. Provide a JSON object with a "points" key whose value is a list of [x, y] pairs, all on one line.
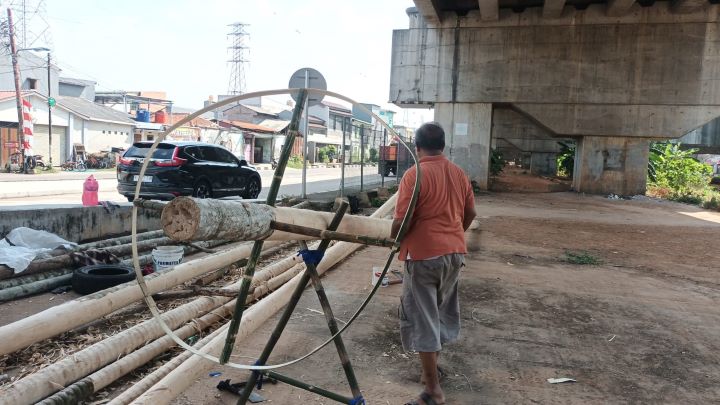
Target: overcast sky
{"points": [[181, 46]]}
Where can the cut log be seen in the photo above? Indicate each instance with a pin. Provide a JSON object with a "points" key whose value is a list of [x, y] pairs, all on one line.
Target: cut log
{"points": [[188, 219], [179, 379], [72, 314], [35, 387]]}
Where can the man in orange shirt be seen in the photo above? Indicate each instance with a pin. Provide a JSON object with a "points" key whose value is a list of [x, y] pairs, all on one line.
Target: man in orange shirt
{"points": [[434, 251]]}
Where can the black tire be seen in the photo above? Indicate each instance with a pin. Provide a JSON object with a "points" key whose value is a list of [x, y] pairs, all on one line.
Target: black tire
{"points": [[130, 198], [91, 279], [202, 189], [386, 171], [81, 167], [252, 190]]}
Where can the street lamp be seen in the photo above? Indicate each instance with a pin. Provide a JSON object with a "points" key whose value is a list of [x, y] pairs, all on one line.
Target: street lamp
{"points": [[51, 101]]}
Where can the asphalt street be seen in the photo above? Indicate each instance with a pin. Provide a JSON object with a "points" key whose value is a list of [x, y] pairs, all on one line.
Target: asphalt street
{"points": [[66, 188]]}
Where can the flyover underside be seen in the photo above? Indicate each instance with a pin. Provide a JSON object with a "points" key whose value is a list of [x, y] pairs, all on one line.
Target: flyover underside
{"points": [[651, 75]]}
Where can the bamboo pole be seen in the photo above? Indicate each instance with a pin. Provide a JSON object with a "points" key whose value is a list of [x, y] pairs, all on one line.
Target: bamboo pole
{"points": [[187, 218], [35, 386], [72, 314], [185, 374], [34, 287]]}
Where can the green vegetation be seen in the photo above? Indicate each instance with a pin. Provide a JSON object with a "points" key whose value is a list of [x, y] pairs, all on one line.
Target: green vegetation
{"points": [[327, 153], [582, 258], [378, 202], [295, 162], [497, 162], [373, 155], [566, 160], [674, 174]]}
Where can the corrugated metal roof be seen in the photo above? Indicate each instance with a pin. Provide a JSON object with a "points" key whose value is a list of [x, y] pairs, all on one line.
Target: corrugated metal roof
{"points": [[249, 126], [276, 125], [267, 110], [92, 111]]}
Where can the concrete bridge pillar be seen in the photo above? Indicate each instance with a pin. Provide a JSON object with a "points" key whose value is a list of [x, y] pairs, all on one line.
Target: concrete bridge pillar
{"points": [[468, 129], [543, 163], [605, 165]]}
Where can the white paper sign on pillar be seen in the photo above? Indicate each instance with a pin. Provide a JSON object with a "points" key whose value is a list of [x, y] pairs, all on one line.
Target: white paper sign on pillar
{"points": [[461, 128]]}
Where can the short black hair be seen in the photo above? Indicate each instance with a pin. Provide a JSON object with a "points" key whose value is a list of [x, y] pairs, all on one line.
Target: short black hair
{"points": [[430, 136]]}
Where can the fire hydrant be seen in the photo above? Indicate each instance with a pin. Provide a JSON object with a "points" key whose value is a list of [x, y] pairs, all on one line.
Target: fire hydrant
{"points": [[90, 192]]}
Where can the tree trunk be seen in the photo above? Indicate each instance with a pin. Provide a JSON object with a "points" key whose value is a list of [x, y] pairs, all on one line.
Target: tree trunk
{"points": [[186, 219], [72, 314], [179, 379]]}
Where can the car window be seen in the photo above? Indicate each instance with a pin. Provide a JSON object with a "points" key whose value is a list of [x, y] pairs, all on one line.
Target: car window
{"points": [[193, 152], [140, 150], [209, 153], [225, 156]]}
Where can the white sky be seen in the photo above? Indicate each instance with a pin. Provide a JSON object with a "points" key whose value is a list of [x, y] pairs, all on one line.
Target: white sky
{"points": [[181, 46]]}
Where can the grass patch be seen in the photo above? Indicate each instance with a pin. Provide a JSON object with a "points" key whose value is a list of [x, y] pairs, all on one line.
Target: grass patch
{"points": [[295, 162], [582, 258]]}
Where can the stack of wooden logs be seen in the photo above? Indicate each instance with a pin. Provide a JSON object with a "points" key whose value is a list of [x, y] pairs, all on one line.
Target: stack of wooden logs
{"points": [[93, 368]]}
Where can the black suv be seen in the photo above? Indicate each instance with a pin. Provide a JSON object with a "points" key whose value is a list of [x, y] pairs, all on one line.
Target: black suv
{"points": [[186, 168]]}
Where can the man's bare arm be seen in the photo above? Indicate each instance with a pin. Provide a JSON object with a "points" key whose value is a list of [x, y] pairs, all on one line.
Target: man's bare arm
{"points": [[395, 227], [468, 215]]}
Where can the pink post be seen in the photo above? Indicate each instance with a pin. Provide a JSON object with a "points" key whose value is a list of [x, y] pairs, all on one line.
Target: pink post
{"points": [[90, 192]]}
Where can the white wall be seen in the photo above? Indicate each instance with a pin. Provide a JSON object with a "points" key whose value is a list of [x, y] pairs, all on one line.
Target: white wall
{"points": [[101, 136]]}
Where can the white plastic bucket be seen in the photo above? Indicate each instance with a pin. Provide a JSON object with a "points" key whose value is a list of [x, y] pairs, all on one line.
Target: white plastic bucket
{"points": [[167, 256]]}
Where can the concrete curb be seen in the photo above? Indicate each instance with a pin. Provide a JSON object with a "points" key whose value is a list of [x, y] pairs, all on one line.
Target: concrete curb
{"points": [[38, 193]]}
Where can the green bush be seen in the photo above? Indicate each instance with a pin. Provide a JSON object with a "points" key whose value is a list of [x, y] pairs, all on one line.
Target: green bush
{"points": [[295, 162], [566, 160], [373, 155], [497, 162], [676, 170]]}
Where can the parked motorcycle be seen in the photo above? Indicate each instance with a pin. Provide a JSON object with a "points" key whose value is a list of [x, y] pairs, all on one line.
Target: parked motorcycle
{"points": [[39, 161]]}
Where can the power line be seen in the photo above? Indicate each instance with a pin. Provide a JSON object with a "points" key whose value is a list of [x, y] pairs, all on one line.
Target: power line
{"points": [[238, 38]]}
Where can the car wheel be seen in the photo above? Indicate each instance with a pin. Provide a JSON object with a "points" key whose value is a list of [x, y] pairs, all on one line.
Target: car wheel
{"points": [[202, 190], [252, 190], [90, 279], [130, 198]]}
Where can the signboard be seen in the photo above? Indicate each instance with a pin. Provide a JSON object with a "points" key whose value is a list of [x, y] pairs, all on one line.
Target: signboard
{"points": [[461, 128], [11, 145], [315, 80]]}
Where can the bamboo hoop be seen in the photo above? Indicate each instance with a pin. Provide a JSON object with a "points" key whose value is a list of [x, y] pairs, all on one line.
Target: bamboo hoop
{"points": [[403, 227]]}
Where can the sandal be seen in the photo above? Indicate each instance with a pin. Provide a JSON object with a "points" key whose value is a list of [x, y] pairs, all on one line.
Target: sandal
{"points": [[426, 398]]}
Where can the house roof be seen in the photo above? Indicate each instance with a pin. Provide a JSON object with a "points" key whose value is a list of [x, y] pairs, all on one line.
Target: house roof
{"points": [[249, 126], [276, 125], [267, 110], [337, 107], [93, 112], [198, 122], [77, 82], [79, 106]]}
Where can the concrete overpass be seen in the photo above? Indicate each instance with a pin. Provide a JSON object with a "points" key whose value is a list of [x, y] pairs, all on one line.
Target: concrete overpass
{"points": [[613, 75]]}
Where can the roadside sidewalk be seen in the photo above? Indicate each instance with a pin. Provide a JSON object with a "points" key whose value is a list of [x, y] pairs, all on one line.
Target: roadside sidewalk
{"points": [[58, 175]]}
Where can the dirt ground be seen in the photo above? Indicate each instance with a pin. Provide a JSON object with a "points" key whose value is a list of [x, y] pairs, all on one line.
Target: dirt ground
{"points": [[641, 327]]}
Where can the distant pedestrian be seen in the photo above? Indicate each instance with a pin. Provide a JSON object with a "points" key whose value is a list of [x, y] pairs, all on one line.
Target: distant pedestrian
{"points": [[434, 251]]}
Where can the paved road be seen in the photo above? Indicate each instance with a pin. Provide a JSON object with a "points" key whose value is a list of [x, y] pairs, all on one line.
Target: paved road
{"points": [[67, 188]]}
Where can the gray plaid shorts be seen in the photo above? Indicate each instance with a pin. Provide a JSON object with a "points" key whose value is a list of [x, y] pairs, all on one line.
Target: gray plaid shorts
{"points": [[429, 307]]}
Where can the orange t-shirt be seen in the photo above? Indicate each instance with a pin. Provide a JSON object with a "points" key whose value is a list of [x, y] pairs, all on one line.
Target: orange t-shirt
{"points": [[436, 227]]}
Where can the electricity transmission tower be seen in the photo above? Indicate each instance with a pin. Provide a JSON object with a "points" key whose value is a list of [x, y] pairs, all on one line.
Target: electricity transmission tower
{"points": [[237, 61]]}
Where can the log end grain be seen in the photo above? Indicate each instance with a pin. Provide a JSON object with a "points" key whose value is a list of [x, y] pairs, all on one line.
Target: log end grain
{"points": [[180, 219]]}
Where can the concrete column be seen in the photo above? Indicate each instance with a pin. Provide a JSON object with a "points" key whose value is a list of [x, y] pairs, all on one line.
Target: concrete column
{"points": [[468, 129], [605, 165], [543, 163]]}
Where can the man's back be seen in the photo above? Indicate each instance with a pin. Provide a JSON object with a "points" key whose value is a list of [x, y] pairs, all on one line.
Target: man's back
{"points": [[437, 223]]}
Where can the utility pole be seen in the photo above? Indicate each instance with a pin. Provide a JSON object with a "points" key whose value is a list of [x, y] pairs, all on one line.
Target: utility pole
{"points": [[16, 74], [305, 137], [50, 106]]}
